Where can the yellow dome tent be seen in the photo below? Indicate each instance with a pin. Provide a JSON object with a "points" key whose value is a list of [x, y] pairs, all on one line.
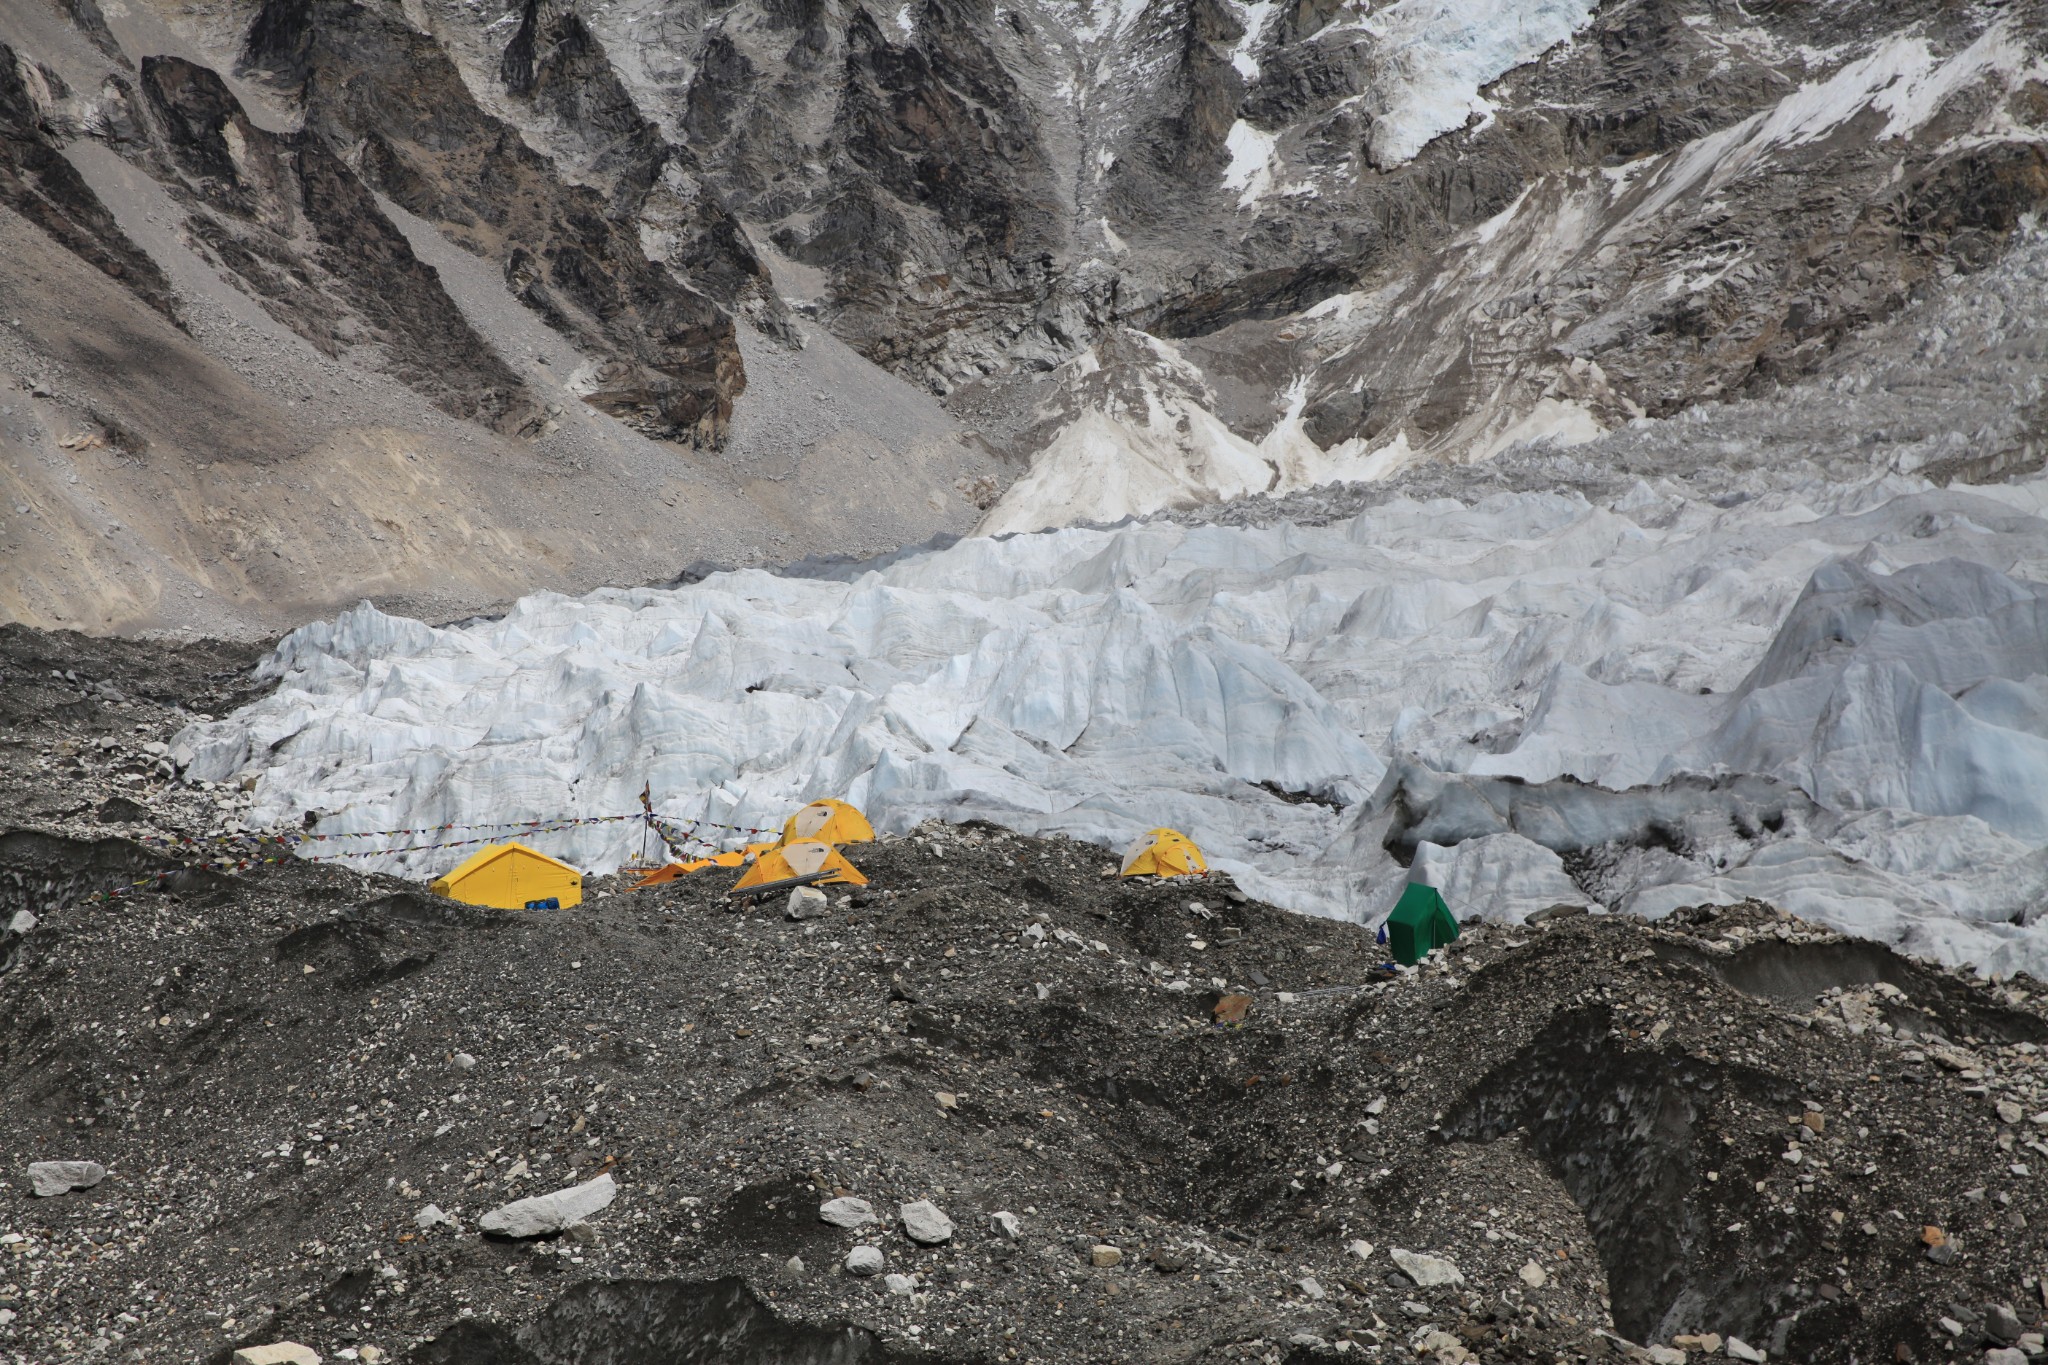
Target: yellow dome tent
{"points": [[795, 860], [829, 822], [1163, 853], [513, 877]]}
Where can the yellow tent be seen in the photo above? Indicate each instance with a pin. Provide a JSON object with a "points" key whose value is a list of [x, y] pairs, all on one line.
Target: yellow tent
{"points": [[800, 859], [829, 822], [1163, 853], [661, 876], [513, 877]]}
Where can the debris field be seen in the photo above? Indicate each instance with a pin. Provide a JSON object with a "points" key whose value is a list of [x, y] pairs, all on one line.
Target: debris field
{"points": [[997, 1105]]}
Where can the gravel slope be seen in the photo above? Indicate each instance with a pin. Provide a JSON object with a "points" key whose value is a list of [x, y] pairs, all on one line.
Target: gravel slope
{"points": [[270, 1065]]}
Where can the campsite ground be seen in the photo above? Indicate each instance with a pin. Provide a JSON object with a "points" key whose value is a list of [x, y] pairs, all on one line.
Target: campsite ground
{"points": [[1619, 1133]]}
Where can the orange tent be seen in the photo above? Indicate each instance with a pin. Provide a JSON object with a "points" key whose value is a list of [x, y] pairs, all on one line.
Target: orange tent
{"points": [[511, 876], [829, 822], [1163, 853], [661, 876], [800, 859]]}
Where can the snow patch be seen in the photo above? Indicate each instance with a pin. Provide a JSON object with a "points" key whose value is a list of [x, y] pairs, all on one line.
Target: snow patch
{"points": [[1251, 162], [1254, 17]]}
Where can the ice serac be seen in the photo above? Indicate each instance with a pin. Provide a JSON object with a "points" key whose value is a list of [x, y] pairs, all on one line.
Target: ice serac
{"points": [[1835, 699]]}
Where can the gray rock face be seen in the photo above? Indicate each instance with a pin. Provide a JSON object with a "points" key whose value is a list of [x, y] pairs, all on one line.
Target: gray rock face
{"points": [[924, 1223], [49, 1178], [544, 1214], [847, 1212]]}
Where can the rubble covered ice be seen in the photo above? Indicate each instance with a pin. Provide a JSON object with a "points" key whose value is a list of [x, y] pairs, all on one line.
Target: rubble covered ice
{"points": [[1834, 699]]}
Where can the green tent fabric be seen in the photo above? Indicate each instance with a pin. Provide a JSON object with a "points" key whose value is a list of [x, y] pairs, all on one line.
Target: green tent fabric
{"points": [[1419, 923]]}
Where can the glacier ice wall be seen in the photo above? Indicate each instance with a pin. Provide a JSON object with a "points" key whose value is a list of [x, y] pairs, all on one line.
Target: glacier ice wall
{"points": [[1834, 700]]}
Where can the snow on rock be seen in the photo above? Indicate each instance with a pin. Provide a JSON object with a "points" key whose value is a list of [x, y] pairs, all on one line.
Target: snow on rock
{"points": [[1836, 700], [1141, 434], [1436, 56]]}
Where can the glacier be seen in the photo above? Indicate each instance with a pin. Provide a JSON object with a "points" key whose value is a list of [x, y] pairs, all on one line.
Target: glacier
{"points": [[1834, 698]]}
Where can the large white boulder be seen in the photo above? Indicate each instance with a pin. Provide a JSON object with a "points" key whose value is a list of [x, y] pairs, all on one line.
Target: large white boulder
{"points": [[545, 1214], [49, 1178]]}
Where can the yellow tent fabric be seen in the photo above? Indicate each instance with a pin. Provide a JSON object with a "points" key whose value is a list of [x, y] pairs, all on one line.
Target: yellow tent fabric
{"points": [[829, 822], [512, 877], [800, 859], [661, 876], [1163, 853]]}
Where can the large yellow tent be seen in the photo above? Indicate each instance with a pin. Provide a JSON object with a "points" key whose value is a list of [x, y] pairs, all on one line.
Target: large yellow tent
{"points": [[513, 877], [800, 858], [829, 822], [1163, 853]]}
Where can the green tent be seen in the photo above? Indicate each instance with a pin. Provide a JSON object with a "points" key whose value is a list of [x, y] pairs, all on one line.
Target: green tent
{"points": [[1419, 923]]}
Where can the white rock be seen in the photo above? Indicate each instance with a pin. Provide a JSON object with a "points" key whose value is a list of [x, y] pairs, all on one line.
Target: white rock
{"points": [[1532, 1275], [1005, 1223], [1427, 1271], [847, 1212], [1362, 1250], [924, 1223], [1735, 1348], [903, 1285], [550, 1213], [432, 1217], [48, 1178], [1311, 1288], [864, 1260], [277, 1353], [22, 922], [808, 902], [464, 1062]]}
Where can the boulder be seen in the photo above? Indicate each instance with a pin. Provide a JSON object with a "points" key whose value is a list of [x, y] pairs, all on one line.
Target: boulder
{"points": [[1005, 1224], [864, 1261], [808, 902], [847, 1212], [277, 1353], [1428, 1272], [49, 1178], [925, 1223], [545, 1214]]}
